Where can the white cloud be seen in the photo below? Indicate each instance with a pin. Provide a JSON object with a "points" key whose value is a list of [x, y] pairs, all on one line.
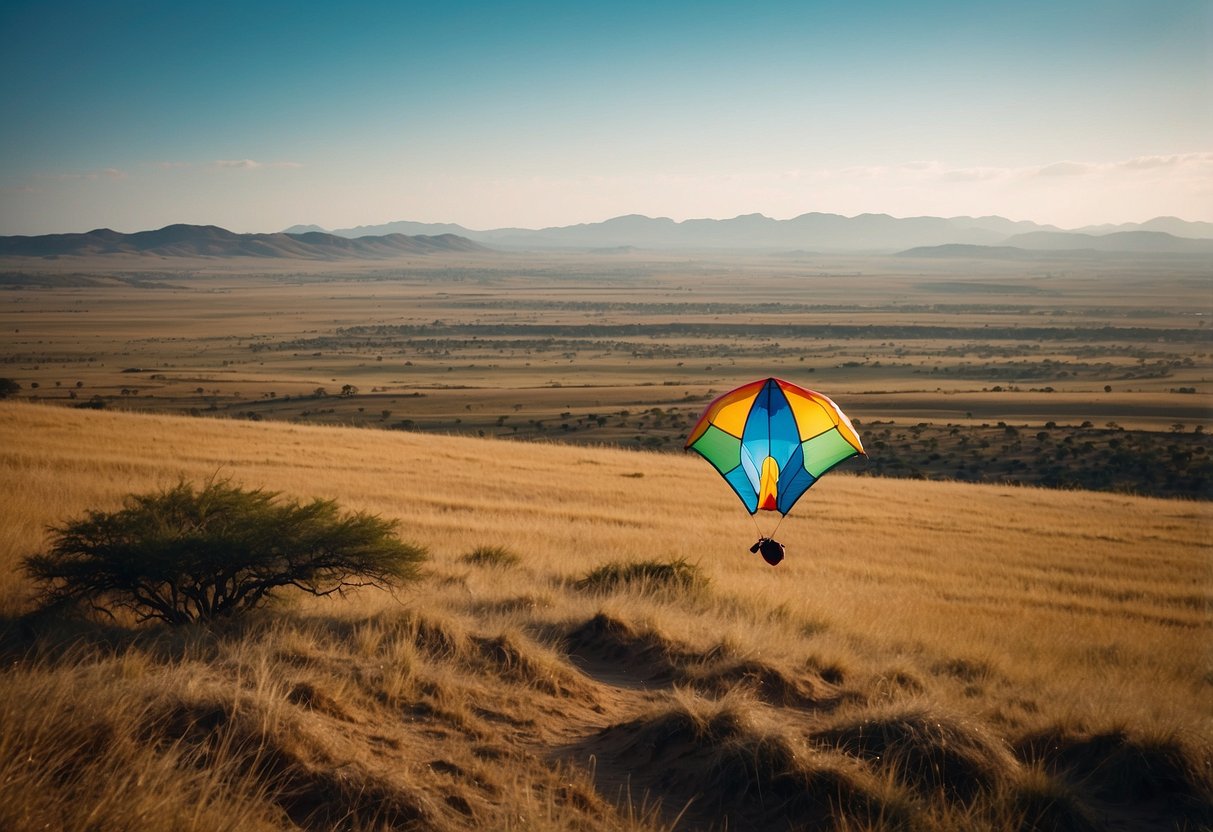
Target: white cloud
{"points": [[977, 174], [90, 175], [1063, 169], [1174, 160], [1178, 167], [250, 164]]}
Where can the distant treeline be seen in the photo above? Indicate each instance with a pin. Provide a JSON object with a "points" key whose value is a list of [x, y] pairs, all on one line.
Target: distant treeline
{"points": [[1178, 463], [784, 307], [873, 332]]}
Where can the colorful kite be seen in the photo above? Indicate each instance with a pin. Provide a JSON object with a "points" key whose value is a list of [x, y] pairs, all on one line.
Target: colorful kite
{"points": [[771, 440]]}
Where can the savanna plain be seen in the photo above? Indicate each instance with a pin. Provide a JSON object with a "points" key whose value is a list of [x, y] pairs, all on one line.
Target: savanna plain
{"points": [[999, 620]]}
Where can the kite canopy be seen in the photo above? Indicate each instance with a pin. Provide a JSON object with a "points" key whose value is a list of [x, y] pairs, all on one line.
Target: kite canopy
{"points": [[771, 440]]}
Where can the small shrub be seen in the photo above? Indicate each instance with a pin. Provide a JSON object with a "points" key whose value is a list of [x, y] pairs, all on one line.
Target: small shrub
{"points": [[1041, 801], [768, 683], [644, 575], [1120, 766], [186, 554], [498, 557], [734, 771], [930, 751]]}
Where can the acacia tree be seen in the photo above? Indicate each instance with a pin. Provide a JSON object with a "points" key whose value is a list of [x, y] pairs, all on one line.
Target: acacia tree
{"points": [[184, 554]]}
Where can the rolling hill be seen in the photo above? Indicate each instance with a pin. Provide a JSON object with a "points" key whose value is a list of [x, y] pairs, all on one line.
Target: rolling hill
{"points": [[1118, 241], [1038, 245], [592, 647], [212, 241]]}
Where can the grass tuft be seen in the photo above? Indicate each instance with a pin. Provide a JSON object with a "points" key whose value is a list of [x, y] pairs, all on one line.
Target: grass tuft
{"points": [[608, 641], [935, 753], [1042, 801], [645, 576], [492, 557], [1123, 767], [298, 771], [734, 771], [515, 657], [769, 683]]}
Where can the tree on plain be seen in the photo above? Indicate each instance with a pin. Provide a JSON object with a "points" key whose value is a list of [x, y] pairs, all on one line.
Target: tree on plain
{"points": [[187, 554]]}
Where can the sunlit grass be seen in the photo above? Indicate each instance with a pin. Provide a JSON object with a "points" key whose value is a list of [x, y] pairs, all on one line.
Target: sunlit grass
{"points": [[940, 655]]}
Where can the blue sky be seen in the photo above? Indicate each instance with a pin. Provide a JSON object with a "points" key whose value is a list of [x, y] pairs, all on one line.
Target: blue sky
{"points": [[256, 116]]}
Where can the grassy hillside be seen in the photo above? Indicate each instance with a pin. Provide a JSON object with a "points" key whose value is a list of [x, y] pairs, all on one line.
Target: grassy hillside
{"points": [[929, 656]]}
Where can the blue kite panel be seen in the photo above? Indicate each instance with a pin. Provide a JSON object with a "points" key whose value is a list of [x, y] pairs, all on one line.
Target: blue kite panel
{"points": [[740, 482], [794, 480]]}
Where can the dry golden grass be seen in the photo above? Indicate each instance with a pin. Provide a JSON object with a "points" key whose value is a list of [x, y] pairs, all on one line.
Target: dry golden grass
{"points": [[1021, 654]]}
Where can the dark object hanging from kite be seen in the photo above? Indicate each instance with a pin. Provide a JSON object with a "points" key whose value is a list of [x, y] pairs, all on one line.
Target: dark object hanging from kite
{"points": [[772, 550]]}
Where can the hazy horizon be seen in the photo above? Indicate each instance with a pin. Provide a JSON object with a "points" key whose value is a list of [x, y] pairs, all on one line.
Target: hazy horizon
{"points": [[384, 227], [487, 116]]}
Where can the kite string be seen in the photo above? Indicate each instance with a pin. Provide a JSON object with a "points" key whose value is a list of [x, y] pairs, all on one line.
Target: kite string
{"points": [[777, 523], [758, 528]]}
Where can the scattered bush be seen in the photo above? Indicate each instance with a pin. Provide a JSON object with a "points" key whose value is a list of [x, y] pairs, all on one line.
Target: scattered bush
{"points": [[646, 652], [644, 575], [930, 751], [1041, 801], [767, 682], [733, 771], [184, 554], [498, 557], [1119, 766]]}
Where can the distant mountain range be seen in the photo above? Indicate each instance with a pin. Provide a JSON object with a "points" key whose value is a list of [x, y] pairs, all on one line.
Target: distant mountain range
{"points": [[212, 241], [982, 237], [870, 233]]}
